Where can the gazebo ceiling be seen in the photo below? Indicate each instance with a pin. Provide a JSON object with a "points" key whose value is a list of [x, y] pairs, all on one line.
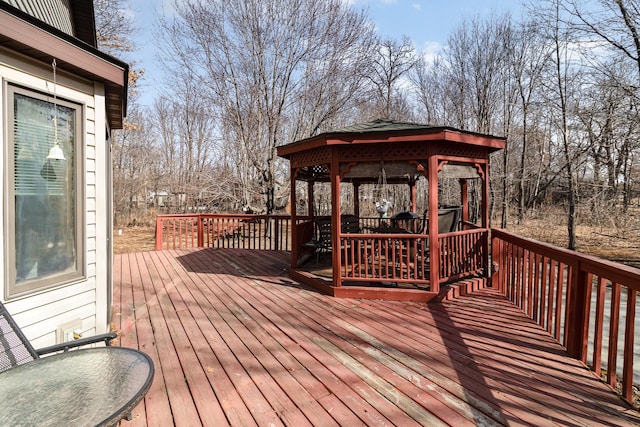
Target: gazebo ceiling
{"points": [[390, 170]]}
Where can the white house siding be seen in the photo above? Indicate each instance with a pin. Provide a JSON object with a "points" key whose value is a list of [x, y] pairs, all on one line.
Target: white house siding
{"points": [[54, 12], [41, 313]]}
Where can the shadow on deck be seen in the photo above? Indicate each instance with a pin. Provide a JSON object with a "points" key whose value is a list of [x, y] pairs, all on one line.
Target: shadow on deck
{"points": [[235, 341]]}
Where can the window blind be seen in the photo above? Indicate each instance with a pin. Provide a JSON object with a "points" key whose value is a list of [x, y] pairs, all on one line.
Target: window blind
{"points": [[33, 137]]}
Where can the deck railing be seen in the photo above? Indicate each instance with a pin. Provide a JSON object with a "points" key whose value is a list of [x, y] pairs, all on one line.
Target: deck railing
{"points": [[586, 303], [223, 231]]}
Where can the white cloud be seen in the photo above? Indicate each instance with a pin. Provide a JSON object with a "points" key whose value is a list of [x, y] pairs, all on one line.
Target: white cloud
{"points": [[431, 50], [416, 6]]}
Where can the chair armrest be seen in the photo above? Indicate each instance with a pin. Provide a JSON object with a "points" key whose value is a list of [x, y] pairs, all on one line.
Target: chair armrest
{"points": [[77, 343]]}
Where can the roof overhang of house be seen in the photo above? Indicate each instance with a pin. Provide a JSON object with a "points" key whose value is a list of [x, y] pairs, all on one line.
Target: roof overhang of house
{"points": [[28, 36]]}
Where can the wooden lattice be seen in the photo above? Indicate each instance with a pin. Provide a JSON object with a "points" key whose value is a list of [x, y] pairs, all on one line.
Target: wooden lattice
{"points": [[391, 151], [460, 150], [394, 151], [316, 156]]}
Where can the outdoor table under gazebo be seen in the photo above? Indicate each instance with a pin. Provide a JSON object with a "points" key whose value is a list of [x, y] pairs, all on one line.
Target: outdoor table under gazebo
{"points": [[391, 265]]}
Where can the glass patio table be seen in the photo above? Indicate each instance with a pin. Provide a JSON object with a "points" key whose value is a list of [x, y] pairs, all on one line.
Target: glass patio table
{"points": [[88, 387]]}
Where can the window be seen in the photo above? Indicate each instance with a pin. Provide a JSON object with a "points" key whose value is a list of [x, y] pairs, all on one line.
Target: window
{"points": [[45, 210]]}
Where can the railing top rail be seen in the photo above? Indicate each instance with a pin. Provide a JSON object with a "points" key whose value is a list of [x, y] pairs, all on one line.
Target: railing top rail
{"points": [[423, 235], [221, 215], [471, 225], [168, 216], [616, 272]]}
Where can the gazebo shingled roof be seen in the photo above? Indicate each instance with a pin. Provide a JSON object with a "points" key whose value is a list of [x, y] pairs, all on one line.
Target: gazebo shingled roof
{"points": [[386, 130]]}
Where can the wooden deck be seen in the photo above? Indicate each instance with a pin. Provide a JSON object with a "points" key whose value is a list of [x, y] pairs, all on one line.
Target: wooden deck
{"points": [[235, 341]]}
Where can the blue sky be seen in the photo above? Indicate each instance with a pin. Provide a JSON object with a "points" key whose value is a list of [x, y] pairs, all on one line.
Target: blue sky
{"points": [[428, 23]]}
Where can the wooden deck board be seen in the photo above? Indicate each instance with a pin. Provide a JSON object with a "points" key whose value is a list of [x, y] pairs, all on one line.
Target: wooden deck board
{"points": [[235, 341]]}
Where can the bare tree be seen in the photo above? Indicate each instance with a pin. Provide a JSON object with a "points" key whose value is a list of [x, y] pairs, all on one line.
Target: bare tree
{"points": [[131, 150], [559, 87], [616, 26], [528, 58], [115, 29], [390, 63], [427, 83], [609, 116], [476, 56], [134, 159], [266, 69], [615, 22]]}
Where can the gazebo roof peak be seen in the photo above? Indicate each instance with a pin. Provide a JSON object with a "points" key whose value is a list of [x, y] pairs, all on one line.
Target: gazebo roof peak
{"points": [[382, 125]]}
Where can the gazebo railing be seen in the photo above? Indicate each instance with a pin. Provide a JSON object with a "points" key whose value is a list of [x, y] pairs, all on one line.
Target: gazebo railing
{"points": [[404, 258], [462, 253], [394, 258]]}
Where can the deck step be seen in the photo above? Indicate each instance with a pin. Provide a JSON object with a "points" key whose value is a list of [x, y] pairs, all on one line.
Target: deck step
{"points": [[455, 290]]}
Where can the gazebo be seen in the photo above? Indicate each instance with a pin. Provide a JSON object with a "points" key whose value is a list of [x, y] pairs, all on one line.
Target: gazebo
{"points": [[375, 257]]}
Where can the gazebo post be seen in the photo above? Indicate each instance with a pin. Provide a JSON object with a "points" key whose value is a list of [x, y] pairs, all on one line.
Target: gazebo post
{"points": [[485, 215], [294, 215], [485, 195], [464, 199], [434, 255], [310, 200], [335, 218]]}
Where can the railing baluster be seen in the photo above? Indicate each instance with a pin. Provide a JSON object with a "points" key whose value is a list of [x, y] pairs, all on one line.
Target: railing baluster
{"points": [[552, 295], [629, 331], [560, 291], [529, 261], [614, 323], [598, 326], [536, 287], [543, 291]]}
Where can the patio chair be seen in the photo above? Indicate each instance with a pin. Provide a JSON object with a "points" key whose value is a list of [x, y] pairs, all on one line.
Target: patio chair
{"points": [[448, 218], [322, 240], [16, 350], [349, 224]]}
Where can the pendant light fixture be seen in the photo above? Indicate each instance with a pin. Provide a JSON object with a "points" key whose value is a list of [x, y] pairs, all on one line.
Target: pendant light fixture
{"points": [[55, 153]]}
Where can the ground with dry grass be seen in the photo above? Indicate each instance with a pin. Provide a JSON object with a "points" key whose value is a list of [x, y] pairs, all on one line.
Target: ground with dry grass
{"points": [[133, 239], [616, 238]]}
